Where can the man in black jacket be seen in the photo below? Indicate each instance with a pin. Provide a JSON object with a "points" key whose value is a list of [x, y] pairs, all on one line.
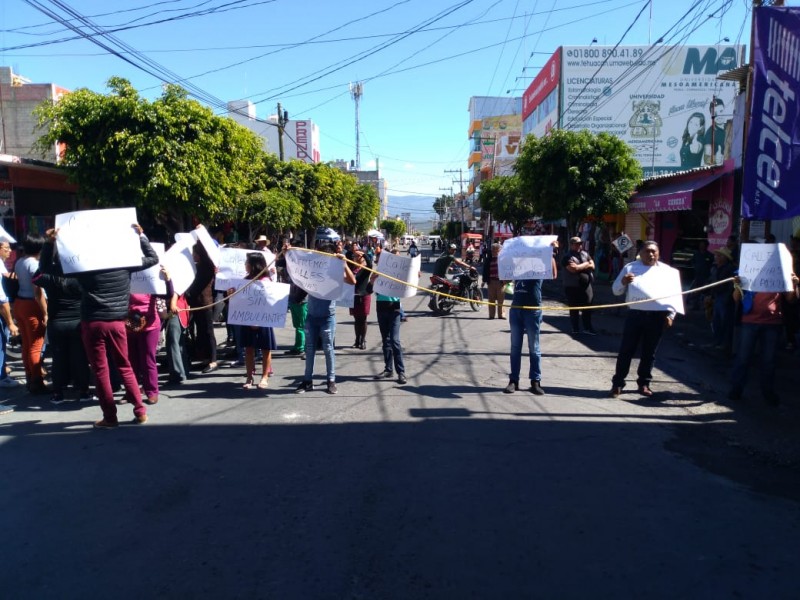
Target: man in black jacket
{"points": [[104, 308]]}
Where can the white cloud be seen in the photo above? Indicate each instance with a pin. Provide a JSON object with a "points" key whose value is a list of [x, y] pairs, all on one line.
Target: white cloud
{"points": [[409, 167], [370, 166]]}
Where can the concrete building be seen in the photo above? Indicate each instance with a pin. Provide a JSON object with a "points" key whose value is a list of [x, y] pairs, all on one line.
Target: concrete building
{"points": [[371, 178], [18, 98], [300, 137], [495, 134]]}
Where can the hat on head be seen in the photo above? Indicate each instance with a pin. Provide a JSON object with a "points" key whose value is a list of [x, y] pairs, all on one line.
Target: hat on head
{"points": [[724, 252], [262, 238], [575, 240], [453, 247]]}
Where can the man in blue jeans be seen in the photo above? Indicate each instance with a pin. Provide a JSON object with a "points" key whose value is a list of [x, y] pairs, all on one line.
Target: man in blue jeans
{"points": [[527, 293], [321, 323], [7, 326]]}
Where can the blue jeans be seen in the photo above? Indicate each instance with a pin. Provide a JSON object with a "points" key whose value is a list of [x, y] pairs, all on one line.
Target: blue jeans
{"points": [[751, 335], [389, 324], [324, 327], [3, 341], [521, 322], [177, 356]]}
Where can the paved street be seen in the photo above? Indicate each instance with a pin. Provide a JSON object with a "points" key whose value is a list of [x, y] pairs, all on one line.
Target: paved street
{"points": [[442, 488]]}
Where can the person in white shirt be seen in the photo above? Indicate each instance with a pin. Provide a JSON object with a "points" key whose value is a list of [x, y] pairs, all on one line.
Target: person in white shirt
{"points": [[644, 324]]}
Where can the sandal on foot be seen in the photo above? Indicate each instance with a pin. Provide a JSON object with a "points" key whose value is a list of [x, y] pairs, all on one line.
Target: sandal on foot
{"points": [[248, 385], [263, 384]]}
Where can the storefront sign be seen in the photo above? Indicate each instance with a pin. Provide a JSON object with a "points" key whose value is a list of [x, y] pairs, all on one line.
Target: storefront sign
{"points": [[667, 202]]}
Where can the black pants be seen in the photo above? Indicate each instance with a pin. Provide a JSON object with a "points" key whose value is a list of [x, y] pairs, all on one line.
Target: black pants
{"points": [[645, 328], [69, 357], [578, 296]]}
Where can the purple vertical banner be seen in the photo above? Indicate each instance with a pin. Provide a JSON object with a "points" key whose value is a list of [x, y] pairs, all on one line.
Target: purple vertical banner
{"points": [[772, 159]]}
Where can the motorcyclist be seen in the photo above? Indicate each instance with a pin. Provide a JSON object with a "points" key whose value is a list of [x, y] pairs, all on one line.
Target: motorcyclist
{"points": [[445, 261]]}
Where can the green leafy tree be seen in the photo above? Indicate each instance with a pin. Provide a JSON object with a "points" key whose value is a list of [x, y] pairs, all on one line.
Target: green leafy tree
{"points": [[165, 156], [441, 204], [365, 208], [574, 174], [269, 211], [393, 227], [502, 197]]}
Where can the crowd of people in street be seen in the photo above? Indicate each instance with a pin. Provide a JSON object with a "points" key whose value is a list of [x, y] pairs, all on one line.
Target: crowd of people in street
{"points": [[93, 327]]}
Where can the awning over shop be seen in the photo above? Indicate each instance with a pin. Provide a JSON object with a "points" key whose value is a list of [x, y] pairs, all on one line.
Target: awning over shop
{"points": [[671, 196]]}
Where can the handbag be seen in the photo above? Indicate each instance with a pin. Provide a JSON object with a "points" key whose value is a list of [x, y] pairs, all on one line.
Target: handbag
{"points": [[135, 321]]}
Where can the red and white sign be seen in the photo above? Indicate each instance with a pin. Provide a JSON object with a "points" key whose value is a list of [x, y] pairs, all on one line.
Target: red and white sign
{"points": [[544, 83]]}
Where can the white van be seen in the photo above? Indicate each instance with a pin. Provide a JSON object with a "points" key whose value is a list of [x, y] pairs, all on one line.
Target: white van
{"points": [[434, 238], [407, 239]]}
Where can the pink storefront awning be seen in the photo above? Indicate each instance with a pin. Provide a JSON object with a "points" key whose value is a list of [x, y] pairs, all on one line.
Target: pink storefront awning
{"points": [[671, 196]]}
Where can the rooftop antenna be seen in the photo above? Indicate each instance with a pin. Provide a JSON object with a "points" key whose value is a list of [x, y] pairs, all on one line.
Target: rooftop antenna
{"points": [[356, 91]]}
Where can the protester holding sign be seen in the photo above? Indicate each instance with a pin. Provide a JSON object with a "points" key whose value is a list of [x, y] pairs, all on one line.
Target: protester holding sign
{"points": [[362, 300], [389, 318], [200, 296], [762, 323], [104, 308], [252, 336], [525, 317], [321, 318], [69, 362], [645, 322]]}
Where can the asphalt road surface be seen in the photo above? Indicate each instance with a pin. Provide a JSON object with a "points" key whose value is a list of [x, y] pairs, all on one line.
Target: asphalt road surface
{"points": [[441, 488]]}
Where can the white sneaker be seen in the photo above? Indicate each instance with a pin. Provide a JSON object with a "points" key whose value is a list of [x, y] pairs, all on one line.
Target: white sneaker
{"points": [[10, 382]]}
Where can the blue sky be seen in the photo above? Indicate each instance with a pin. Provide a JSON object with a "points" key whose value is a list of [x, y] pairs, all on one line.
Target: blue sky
{"points": [[420, 60]]}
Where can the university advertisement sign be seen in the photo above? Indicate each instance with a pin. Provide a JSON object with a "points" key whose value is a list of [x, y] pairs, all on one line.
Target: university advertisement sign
{"points": [[665, 101], [771, 171]]}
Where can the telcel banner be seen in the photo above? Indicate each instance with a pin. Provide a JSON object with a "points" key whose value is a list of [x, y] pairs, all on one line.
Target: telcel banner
{"points": [[772, 159]]}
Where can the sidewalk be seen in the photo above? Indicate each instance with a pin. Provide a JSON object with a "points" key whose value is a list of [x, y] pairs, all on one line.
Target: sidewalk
{"points": [[766, 431]]}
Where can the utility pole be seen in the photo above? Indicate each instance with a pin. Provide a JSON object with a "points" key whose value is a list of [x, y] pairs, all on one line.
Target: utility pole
{"points": [[450, 189], [283, 118], [460, 194]]}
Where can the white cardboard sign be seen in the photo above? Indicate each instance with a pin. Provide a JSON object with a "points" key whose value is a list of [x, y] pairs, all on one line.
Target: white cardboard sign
{"points": [[208, 243], [765, 268], [150, 280], [264, 303], [321, 275], [6, 237], [526, 257], [662, 284], [91, 240], [404, 268], [179, 262]]}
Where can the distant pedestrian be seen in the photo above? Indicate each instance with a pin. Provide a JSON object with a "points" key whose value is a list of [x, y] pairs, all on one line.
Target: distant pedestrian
{"points": [[495, 286]]}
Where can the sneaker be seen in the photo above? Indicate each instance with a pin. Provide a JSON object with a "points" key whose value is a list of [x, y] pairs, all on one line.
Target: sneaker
{"points": [[387, 374], [9, 382], [302, 356], [58, 399], [4, 409], [87, 397], [139, 420], [103, 424], [304, 387], [332, 387], [401, 379], [536, 388], [234, 364]]}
